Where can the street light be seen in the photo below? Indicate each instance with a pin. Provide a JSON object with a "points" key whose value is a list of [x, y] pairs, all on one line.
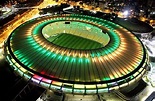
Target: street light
{"points": [[125, 13]]}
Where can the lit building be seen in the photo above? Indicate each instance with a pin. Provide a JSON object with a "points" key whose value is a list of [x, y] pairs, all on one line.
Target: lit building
{"points": [[76, 54]]}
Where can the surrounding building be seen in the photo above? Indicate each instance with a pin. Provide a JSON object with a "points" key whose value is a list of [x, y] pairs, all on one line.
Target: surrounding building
{"points": [[139, 28]]}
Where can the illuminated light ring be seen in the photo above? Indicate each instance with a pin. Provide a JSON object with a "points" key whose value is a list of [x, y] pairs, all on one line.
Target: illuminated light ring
{"points": [[118, 64]]}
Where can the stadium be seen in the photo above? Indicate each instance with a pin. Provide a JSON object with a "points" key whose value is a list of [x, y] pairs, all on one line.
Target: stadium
{"points": [[76, 54]]}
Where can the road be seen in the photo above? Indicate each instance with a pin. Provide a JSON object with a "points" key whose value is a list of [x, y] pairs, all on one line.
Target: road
{"points": [[20, 19]]}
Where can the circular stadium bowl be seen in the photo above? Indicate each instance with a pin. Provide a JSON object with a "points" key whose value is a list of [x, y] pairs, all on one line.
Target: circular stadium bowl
{"points": [[77, 54]]}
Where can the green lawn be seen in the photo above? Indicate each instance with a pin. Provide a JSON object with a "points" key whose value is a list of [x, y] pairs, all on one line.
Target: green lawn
{"points": [[74, 42]]}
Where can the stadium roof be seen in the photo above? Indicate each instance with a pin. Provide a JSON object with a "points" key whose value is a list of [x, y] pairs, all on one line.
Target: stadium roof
{"points": [[76, 53]]}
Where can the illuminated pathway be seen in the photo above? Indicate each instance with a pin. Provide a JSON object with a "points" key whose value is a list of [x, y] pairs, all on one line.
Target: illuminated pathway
{"points": [[18, 21]]}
